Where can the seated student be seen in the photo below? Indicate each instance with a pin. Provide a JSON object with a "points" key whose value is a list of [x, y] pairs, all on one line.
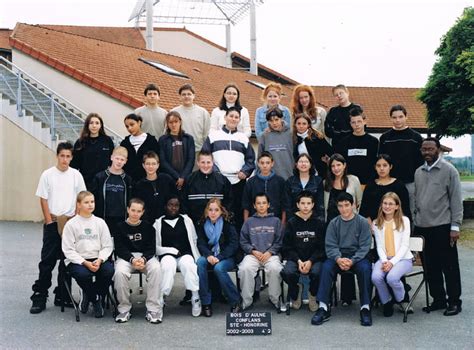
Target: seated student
{"points": [[135, 246], [348, 241], [218, 242], [176, 247], [261, 239], [392, 235], [265, 181], [303, 248], [87, 246], [204, 184], [176, 150], [154, 189], [112, 188], [278, 141]]}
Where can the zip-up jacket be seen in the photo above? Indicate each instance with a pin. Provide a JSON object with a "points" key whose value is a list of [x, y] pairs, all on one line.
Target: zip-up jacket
{"points": [[134, 167], [293, 188], [166, 154], [228, 242]]}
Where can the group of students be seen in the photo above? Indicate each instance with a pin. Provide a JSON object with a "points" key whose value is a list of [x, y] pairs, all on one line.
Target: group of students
{"points": [[322, 188]]}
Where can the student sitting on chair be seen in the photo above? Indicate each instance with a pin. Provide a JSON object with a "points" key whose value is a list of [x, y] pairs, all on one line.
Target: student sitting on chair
{"points": [[135, 245], [392, 237], [261, 239], [176, 241], [218, 243], [303, 247], [87, 246], [348, 242]]}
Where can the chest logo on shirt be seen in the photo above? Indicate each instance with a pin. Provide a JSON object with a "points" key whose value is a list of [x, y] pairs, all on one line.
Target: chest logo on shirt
{"points": [[87, 231], [135, 237], [305, 235], [361, 152]]}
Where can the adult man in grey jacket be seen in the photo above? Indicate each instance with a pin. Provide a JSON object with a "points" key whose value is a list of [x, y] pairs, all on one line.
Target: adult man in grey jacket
{"points": [[438, 218]]}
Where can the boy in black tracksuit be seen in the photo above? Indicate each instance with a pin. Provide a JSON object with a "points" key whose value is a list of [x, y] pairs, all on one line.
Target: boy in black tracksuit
{"points": [[112, 189], [303, 248]]}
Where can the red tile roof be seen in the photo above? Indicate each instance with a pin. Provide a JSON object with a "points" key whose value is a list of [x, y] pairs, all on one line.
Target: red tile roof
{"points": [[4, 35]]}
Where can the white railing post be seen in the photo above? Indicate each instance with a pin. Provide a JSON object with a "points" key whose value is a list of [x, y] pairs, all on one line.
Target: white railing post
{"points": [[19, 108], [52, 127]]}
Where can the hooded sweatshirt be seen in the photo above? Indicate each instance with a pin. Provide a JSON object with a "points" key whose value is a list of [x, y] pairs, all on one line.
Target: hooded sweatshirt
{"points": [[261, 233]]}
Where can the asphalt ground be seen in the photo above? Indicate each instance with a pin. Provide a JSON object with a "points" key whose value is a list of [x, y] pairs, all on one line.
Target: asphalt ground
{"points": [[20, 245]]}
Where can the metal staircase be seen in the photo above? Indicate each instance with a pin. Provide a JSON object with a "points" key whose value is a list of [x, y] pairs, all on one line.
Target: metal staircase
{"points": [[61, 118]]}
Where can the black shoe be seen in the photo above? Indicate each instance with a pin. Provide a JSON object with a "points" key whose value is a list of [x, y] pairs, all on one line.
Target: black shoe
{"points": [[452, 310], [98, 308], [320, 316], [186, 299], [366, 317], [388, 309], [207, 310], [435, 305], [39, 303], [84, 302], [236, 308]]}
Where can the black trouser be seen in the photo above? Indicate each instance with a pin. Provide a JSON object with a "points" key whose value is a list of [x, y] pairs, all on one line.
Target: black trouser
{"points": [[291, 275], [236, 205], [50, 253], [441, 259], [112, 223]]}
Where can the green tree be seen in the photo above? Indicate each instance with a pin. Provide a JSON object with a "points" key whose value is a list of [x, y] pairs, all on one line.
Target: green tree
{"points": [[449, 92]]}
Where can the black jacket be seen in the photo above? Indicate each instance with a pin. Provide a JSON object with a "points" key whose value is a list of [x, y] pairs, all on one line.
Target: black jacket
{"points": [[91, 156], [135, 239], [228, 242], [317, 148], [98, 189], [304, 240], [166, 153], [134, 167], [293, 189]]}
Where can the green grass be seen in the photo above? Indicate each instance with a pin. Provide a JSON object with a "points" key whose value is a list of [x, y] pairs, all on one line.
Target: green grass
{"points": [[467, 178]]}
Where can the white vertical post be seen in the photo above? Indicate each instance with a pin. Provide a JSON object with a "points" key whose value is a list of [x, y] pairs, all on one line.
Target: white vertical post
{"points": [[228, 57], [253, 39], [149, 25]]}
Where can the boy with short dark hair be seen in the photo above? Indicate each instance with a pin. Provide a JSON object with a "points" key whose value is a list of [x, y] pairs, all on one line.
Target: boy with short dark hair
{"points": [[303, 248], [135, 245], [348, 241], [155, 189], [152, 114], [57, 188], [261, 239], [112, 188]]}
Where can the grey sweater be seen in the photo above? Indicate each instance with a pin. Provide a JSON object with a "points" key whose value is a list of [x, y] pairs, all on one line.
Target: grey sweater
{"points": [[280, 145], [348, 239], [262, 233], [438, 199]]}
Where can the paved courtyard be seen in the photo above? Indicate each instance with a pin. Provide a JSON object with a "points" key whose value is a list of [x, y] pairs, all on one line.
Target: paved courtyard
{"points": [[20, 245]]}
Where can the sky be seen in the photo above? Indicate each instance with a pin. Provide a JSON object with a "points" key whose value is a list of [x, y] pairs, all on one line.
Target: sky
{"points": [[319, 42]]}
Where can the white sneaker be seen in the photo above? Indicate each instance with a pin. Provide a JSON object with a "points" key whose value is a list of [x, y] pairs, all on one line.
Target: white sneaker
{"points": [[123, 317], [196, 307], [154, 317]]}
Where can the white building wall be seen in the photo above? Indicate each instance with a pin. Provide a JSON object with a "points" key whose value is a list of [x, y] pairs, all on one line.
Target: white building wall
{"points": [[83, 96], [184, 45]]}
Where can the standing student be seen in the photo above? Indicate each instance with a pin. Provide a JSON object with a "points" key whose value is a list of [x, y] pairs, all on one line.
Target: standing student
{"points": [[135, 245], [152, 114], [155, 189], [303, 101], [112, 189], [438, 218], [137, 144], [306, 141], [304, 179], [176, 150], [218, 243], [93, 149], [392, 236], [87, 246], [261, 239], [337, 124], [271, 95], [265, 181], [231, 98], [203, 185], [403, 145], [57, 189], [359, 148], [348, 241], [176, 246], [196, 120], [234, 158], [278, 142], [303, 248]]}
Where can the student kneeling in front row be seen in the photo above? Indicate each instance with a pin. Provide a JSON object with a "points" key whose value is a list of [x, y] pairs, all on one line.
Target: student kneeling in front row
{"points": [[348, 242]]}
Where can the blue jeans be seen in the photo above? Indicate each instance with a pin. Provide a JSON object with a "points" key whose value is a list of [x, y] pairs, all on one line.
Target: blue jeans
{"points": [[83, 277], [221, 272], [329, 270]]}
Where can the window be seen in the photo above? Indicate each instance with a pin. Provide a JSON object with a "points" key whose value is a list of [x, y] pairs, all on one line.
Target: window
{"points": [[164, 68], [256, 83]]}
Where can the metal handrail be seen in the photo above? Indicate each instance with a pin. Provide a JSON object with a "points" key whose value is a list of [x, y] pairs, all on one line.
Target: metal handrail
{"points": [[54, 95]]}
